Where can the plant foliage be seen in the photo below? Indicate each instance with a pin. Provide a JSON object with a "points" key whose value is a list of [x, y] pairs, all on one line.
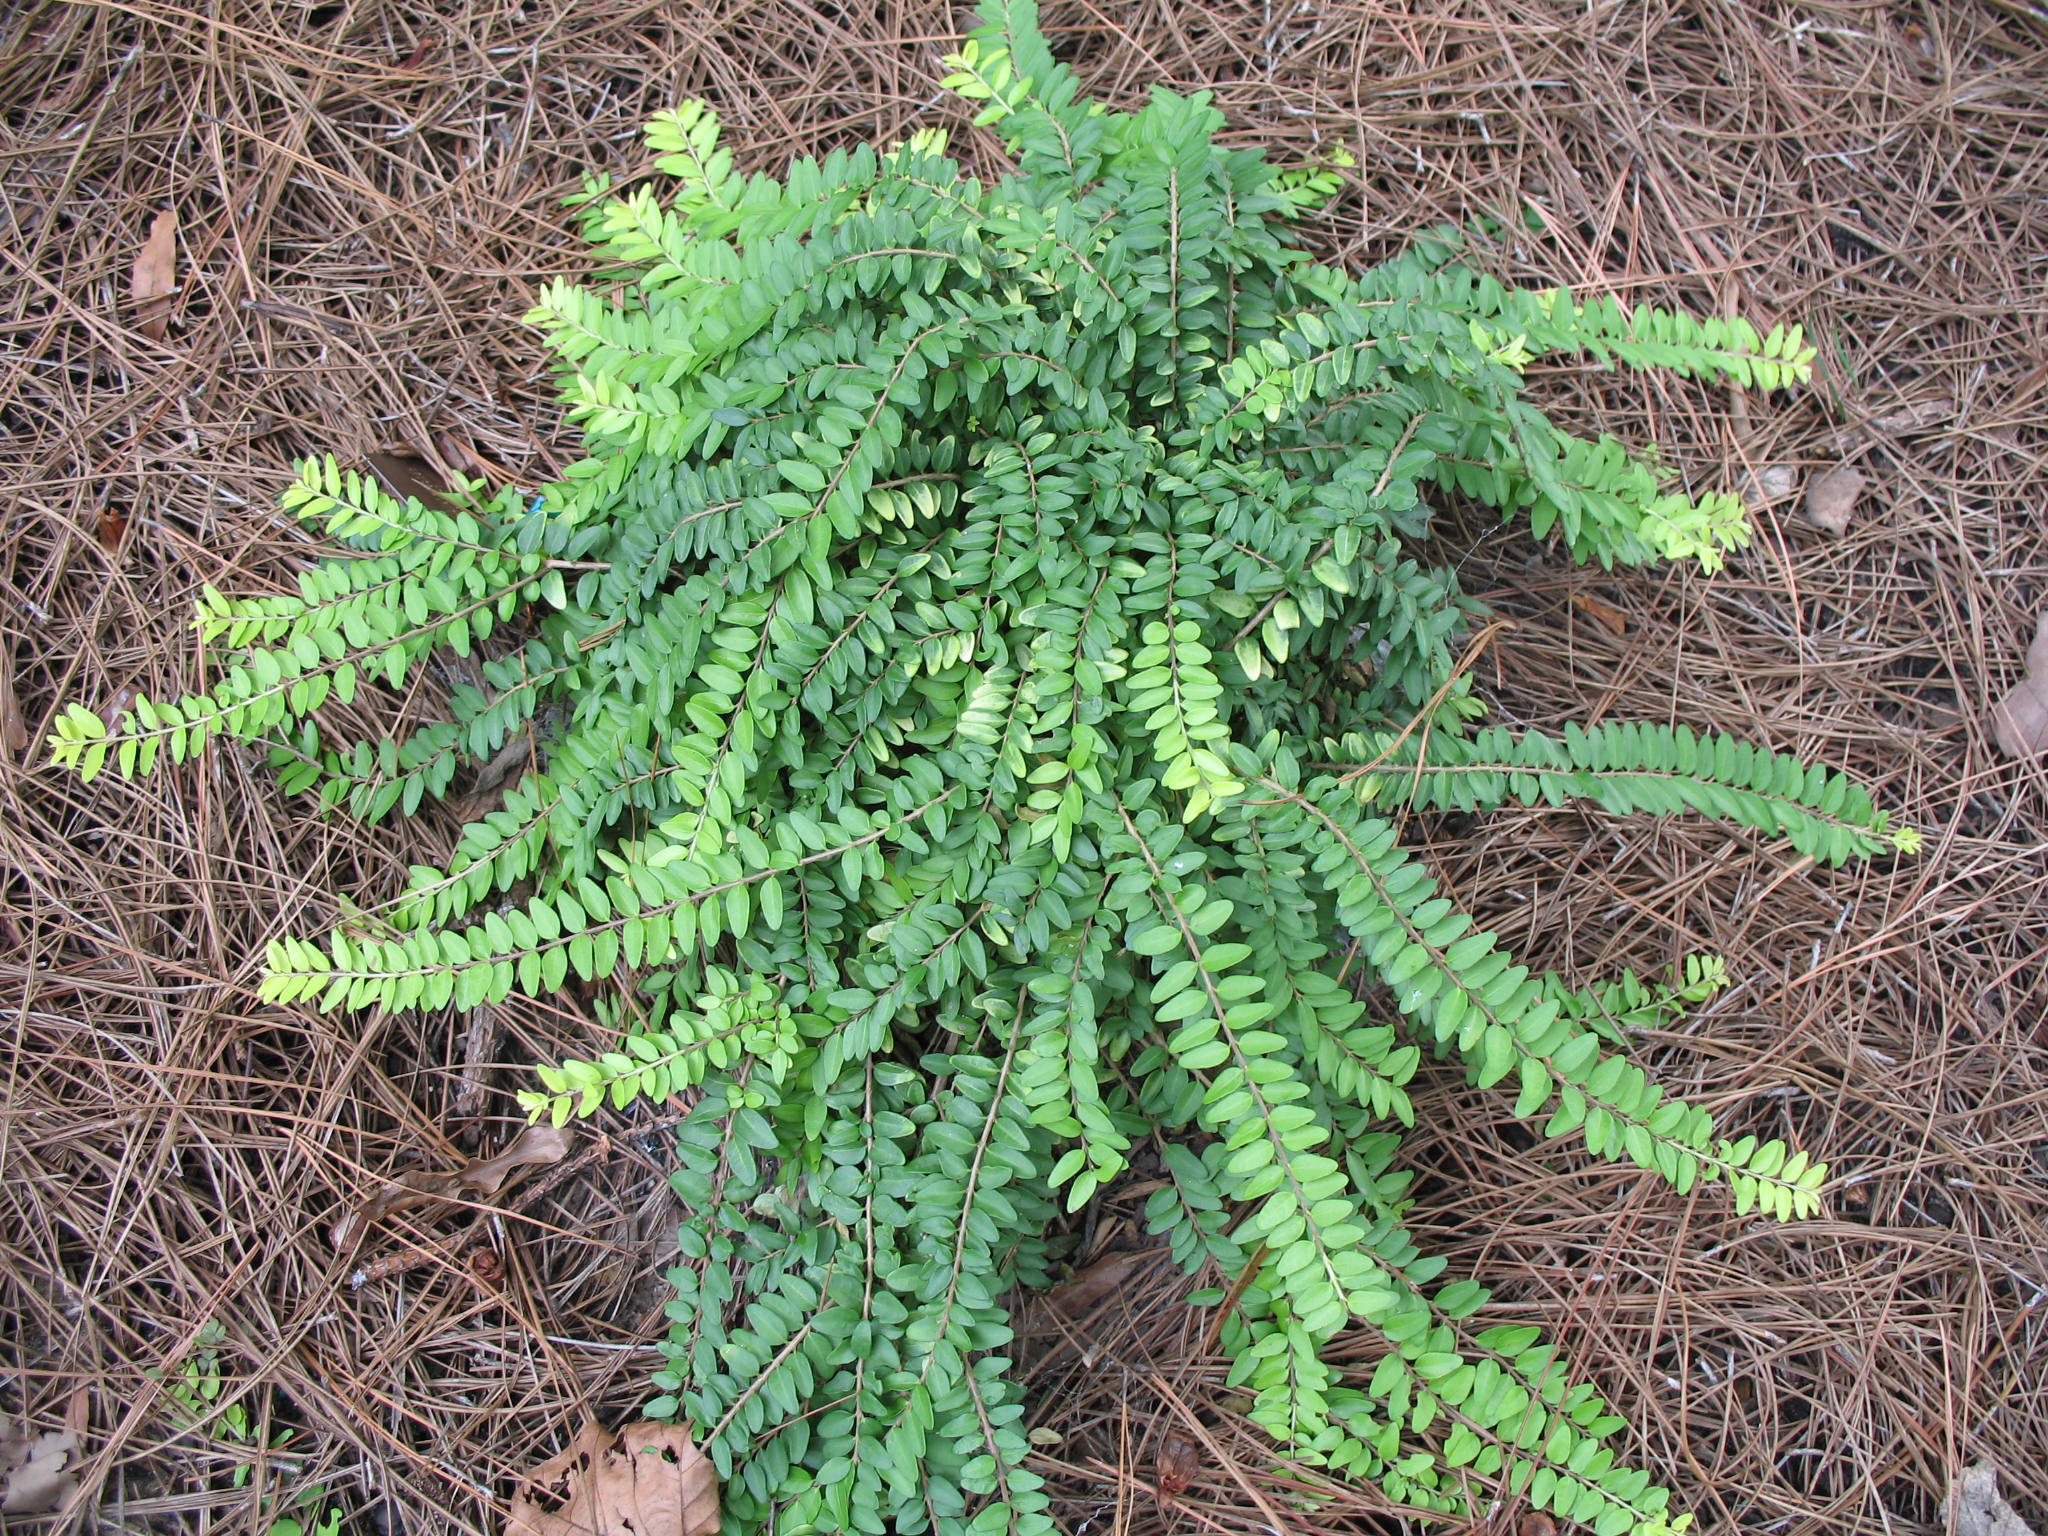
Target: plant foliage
{"points": [[978, 665]]}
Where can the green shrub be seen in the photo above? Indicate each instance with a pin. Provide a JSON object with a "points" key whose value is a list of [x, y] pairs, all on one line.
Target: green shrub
{"points": [[936, 660]]}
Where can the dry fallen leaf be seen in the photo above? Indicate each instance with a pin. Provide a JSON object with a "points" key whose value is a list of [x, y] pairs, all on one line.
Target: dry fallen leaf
{"points": [[535, 1144], [497, 768], [122, 701], [2021, 717], [34, 1469], [1980, 1509], [405, 473], [1915, 416], [1606, 615], [1893, 418], [113, 529], [1095, 1284], [1831, 500], [155, 277], [649, 1480], [1772, 483], [1174, 1468]]}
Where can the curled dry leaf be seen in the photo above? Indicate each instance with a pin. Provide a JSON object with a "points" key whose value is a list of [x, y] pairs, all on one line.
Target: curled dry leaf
{"points": [[1831, 500], [2021, 717], [1095, 1284], [36, 1481], [113, 529], [1174, 1467], [648, 1480], [1980, 1509], [155, 277], [485, 1177]]}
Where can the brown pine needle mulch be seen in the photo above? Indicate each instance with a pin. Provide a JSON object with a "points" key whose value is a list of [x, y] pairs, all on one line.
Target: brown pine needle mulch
{"points": [[363, 197]]}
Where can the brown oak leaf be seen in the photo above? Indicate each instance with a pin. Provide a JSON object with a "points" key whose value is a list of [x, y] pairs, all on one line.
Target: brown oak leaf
{"points": [[36, 1481], [648, 1480]]}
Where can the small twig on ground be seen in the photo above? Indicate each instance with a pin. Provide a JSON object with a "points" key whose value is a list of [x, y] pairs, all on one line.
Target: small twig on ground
{"points": [[479, 1049]]}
